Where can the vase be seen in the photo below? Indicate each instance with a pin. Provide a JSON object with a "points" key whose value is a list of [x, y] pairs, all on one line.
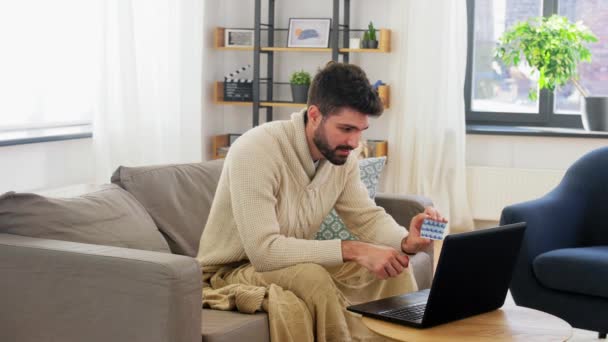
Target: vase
{"points": [[299, 93], [373, 44], [595, 113]]}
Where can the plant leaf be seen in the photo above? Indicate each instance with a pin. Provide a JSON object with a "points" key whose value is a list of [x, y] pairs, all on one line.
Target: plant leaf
{"points": [[552, 46]]}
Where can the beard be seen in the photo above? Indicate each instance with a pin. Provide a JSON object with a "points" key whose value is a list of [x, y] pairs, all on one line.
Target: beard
{"points": [[320, 140]]}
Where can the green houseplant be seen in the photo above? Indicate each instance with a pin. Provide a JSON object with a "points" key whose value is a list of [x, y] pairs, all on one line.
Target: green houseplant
{"points": [[300, 81], [553, 47], [365, 40], [371, 36]]}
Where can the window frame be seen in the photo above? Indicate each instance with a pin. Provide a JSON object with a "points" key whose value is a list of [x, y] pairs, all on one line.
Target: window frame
{"points": [[46, 133], [546, 117]]}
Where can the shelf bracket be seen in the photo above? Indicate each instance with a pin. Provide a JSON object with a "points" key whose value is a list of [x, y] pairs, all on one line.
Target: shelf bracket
{"points": [[346, 32], [256, 63], [335, 31]]}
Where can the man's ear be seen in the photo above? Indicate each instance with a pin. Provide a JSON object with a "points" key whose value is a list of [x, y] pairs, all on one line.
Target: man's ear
{"points": [[314, 115]]}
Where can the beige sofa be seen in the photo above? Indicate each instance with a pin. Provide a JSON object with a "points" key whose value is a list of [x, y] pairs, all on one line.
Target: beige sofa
{"points": [[53, 290]]}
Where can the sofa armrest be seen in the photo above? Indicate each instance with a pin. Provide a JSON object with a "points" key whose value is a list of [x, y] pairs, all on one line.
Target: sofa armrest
{"points": [[402, 208], [64, 291]]}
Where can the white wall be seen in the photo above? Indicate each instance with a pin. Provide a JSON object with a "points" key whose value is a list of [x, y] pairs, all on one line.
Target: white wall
{"points": [[49, 165], [502, 170], [527, 152]]}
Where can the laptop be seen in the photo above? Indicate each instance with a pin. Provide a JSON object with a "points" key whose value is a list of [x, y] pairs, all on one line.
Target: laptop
{"points": [[472, 277]]}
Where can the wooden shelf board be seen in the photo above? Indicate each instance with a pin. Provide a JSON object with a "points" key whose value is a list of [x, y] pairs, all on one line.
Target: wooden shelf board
{"points": [[282, 49], [365, 50], [246, 48], [283, 104], [269, 104], [232, 103], [285, 49]]}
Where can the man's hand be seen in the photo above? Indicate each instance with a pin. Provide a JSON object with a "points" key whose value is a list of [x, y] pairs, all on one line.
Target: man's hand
{"points": [[382, 261], [413, 243]]}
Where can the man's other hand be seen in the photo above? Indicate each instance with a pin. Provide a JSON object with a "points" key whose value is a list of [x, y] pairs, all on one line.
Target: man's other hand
{"points": [[382, 261]]}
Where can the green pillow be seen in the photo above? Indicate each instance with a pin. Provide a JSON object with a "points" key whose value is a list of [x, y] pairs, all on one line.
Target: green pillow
{"points": [[333, 227]]}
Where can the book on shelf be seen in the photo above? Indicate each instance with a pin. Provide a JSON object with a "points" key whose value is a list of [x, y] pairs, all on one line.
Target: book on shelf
{"points": [[222, 151]]}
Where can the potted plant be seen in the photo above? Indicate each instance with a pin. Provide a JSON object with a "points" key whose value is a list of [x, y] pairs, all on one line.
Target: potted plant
{"points": [[373, 41], [300, 81], [553, 47], [365, 41]]}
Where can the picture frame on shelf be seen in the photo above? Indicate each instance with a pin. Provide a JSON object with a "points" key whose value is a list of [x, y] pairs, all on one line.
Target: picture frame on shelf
{"points": [[308, 32], [232, 138], [238, 38]]}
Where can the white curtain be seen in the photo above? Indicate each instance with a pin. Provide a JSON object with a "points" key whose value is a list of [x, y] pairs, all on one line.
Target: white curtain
{"points": [[427, 125], [48, 62], [149, 109]]}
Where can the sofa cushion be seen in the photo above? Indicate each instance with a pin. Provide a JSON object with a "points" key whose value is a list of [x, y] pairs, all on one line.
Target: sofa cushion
{"points": [[108, 216], [228, 326], [178, 197], [333, 227], [580, 270]]}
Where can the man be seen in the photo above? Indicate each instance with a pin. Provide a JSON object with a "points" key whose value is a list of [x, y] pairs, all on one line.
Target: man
{"points": [[279, 182]]}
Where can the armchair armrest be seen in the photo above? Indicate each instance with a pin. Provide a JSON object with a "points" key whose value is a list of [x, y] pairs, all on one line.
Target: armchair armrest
{"points": [[402, 208], [553, 221], [65, 291]]}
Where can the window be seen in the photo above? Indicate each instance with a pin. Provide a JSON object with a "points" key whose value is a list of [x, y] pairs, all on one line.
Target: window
{"points": [[50, 63], [496, 94]]}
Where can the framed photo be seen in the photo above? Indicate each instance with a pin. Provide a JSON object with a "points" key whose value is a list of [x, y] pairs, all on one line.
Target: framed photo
{"points": [[238, 38], [309, 32], [232, 138]]}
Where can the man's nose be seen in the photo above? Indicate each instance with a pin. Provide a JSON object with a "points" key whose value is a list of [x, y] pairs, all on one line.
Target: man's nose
{"points": [[353, 141]]}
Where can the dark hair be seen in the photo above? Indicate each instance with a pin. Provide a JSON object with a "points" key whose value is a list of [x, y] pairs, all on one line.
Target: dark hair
{"points": [[340, 85]]}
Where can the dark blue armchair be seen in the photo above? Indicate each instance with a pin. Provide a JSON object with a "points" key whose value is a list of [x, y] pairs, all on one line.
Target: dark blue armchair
{"points": [[562, 267]]}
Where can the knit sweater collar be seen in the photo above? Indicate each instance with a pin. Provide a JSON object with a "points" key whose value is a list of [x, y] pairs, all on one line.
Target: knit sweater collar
{"points": [[301, 145]]}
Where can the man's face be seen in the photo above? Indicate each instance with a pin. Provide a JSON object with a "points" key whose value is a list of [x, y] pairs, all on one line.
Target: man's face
{"points": [[339, 133]]}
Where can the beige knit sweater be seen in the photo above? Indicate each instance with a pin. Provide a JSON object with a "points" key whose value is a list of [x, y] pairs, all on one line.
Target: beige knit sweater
{"points": [[270, 203]]}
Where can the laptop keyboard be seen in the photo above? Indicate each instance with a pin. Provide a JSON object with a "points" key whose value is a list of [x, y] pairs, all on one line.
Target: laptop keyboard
{"points": [[408, 313]]}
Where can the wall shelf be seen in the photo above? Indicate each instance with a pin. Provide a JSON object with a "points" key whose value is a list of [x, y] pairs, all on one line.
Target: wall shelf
{"points": [[383, 45], [218, 99], [283, 104], [234, 48], [266, 33], [378, 50], [217, 142]]}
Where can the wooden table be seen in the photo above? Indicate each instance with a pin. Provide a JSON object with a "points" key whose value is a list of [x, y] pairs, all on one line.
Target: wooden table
{"points": [[509, 323]]}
